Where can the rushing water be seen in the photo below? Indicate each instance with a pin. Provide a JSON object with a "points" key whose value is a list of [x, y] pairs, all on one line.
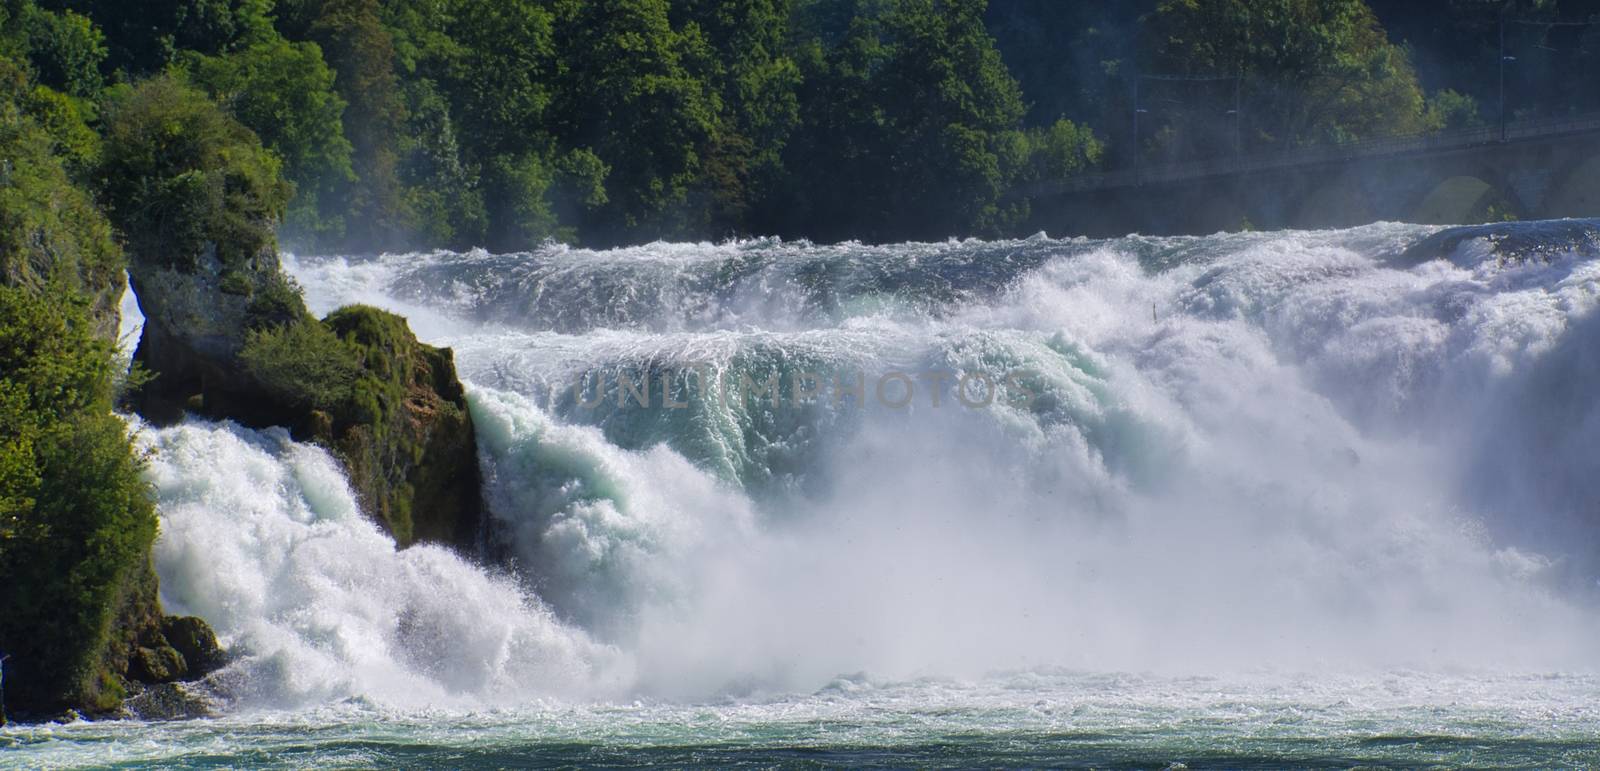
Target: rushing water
{"points": [[1255, 499]]}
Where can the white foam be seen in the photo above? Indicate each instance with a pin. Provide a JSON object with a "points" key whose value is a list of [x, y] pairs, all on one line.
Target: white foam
{"points": [[262, 537], [1260, 450]]}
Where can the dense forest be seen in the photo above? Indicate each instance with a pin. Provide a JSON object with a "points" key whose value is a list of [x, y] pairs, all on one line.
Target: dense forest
{"points": [[502, 123]]}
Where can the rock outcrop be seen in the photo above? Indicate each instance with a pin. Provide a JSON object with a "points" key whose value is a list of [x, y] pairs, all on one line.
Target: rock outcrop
{"points": [[228, 336], [1510, 243], [359, 383], [192, 198]]}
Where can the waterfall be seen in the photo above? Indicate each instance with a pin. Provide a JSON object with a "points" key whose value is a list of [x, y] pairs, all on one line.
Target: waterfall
{"points": [[1302, 450]]}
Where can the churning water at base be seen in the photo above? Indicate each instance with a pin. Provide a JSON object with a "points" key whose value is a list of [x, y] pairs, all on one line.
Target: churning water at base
{"points": [[1275, 498]]}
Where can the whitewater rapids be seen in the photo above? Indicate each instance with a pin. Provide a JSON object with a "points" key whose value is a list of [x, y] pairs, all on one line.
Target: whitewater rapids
{"points": [[1285, 458]]}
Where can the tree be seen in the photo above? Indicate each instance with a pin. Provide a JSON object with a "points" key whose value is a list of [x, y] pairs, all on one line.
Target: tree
{"points": [[65, 49], [1061, 150], [627, 97], [355, 41], [50, 231], [178, 173], [284, 92], [500, 80], [747, 63], [910, 127], [147, 36], [1314, 70]]}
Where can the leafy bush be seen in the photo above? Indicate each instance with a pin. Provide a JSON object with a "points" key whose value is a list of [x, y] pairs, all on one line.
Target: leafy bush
{"points": [[64, 120], [303, 364], [274, 302], [1063, 149], [1450, 110], [178, 174], [76, 521]]}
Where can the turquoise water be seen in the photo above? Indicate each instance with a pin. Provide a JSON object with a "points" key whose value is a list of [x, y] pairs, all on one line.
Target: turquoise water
{"points": [[1030, 720]]}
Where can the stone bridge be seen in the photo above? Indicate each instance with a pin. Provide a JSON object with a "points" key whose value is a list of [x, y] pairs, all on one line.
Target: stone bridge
{"points": [[1529, 170]]}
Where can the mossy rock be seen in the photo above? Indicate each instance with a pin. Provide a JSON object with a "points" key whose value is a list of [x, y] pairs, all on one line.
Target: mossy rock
{"points": [[406, 435], [227, 335], [389, 407], [159, 664], [192, 638]]}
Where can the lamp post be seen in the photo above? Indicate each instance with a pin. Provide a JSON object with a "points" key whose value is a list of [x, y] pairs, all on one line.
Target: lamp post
{"points": [[1503, 60]]}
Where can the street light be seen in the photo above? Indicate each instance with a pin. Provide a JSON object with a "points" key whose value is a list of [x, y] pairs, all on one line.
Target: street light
{"points": [[1504, 58]]}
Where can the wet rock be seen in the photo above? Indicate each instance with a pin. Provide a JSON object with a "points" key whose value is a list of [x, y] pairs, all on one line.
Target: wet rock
{"points": [[1511, 242], [193, 639], [156, 664], [170, 701]]}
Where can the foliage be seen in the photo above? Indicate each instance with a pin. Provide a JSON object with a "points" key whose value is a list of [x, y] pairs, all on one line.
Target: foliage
{"points": [[1449, 110], [1314, 70], [747, 62], [284, 92], [301, 364], [911, 112], [1072, 60], [361, 50], [1058, 151], [50, 230], [64, 121], [503, 123], [388, 406], [76, 521], [442, 189], [628, 96], [148, 35], [179, 175], [1456, 46], [65, 49]]}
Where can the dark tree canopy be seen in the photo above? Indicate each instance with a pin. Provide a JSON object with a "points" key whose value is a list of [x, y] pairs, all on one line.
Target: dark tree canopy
{"points": [[504, 123]]}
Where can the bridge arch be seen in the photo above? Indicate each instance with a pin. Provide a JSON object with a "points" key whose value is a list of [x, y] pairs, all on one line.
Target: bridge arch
{"points": [[1466, 198], [1341, 202]]}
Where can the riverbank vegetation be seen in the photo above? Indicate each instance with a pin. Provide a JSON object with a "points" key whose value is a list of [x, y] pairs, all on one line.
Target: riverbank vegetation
{"points": [[502, 123]]}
